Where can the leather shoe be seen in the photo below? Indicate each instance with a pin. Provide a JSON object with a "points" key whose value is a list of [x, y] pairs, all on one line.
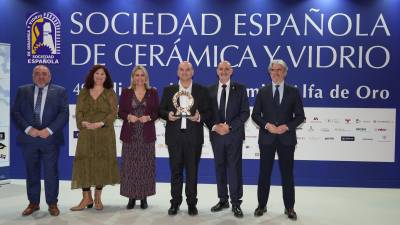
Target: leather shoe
{"points": [[53, 210], [173, 210], [260, 211], [143, 203], [291, 214], [220, 206], [131, 203], [192, 210], [30, 209], [237, 211]]}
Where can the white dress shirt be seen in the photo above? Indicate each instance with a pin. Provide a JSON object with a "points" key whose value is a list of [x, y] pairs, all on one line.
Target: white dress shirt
{"points": [[280, 89], [184, 101], [44, 96], [228, 85], [219, 92]]}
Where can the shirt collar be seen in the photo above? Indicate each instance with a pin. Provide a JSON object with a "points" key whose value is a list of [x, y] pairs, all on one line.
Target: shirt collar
{"points": [[227, 84], [189, 89], [44, 88], [280, 85]]}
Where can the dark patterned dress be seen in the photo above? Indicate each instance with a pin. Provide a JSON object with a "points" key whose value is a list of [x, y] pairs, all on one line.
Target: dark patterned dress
{"points": [[138, 160]]}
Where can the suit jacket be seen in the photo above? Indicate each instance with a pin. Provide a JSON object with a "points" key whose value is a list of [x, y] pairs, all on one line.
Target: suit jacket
{"points": [[237, 110], [55, 114], [289, 112], [200, 96], [125, 108]]}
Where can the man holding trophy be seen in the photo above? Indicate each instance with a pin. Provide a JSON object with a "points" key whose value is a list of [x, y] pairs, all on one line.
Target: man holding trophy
{"points": [[184, 106]]}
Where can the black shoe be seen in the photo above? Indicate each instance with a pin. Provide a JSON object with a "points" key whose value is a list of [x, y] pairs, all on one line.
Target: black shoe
{"points": [[131, 203], [173, 210], [220, 206], [192, 210], [291, 214], [260, 211], [237, 211], [143, 204]]}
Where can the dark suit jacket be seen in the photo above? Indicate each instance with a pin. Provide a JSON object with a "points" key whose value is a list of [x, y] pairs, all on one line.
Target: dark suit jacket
{"points": [[200, 96], [125, 108], [55, 114], [237, 109], [290, 112]]}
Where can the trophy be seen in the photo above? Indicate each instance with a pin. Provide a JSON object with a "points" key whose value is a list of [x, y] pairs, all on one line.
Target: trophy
{"points": [[183, 111]]}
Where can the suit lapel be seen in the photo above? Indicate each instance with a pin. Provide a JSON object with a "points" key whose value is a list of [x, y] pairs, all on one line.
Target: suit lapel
{"points": [[49, 94], [285, 94], [32, 96], [231, 98], [195, 97], [174, 90], [270, 96], [214, 96]]}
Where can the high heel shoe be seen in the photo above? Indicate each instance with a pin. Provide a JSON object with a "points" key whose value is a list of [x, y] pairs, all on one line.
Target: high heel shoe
{"points": [[131, 203], [143, 203], [86, 202], [98, 205]]}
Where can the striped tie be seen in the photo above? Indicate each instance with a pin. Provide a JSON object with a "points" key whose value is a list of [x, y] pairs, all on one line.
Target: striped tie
{"points": [[36, 111]]}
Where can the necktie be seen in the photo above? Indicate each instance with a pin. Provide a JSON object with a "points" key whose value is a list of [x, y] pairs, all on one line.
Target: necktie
{"points": [[36, 111], [222, 106], [276, 95]]}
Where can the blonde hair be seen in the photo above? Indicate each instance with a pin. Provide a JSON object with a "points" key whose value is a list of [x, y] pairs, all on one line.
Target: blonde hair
{"points": [[146, 74]]}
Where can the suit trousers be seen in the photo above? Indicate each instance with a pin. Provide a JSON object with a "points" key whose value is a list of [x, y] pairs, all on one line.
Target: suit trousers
{"points": [[35, 155], [184, 156], [228, 167], [286, 161]]}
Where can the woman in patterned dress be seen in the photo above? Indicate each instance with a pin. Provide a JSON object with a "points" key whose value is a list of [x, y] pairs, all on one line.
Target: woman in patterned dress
{"points": [[138, 107], [95, 162]]}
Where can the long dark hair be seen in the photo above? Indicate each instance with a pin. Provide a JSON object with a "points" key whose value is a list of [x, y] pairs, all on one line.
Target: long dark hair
{"points": [[89, 81]]}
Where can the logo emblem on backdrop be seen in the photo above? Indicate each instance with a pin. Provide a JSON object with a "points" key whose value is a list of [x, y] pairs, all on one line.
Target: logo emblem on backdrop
{"points": [[3, 151], [43, 33]]}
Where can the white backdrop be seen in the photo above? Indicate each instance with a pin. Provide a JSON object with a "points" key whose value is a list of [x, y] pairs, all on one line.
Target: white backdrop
{"points": [[4, 105], [339, 134]]}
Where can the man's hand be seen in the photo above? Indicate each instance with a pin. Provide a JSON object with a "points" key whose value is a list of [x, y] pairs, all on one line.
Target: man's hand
{"points": [[196, 117], [276, 130], [44, 133], [171, 117], [33, 132], [225, 128], [271, 128], [221, 128], [282, 128]]}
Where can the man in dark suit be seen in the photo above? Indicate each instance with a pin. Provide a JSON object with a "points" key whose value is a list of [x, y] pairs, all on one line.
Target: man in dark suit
{"points": [[184, 136], [278, 111], [40, 112], [230, 110]]}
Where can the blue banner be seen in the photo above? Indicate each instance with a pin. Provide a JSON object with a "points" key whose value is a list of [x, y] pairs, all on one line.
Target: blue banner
{"points": [[342, 55]]}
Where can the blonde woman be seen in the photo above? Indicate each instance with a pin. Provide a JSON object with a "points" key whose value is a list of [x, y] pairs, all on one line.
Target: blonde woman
{"points": [[138, 107]]}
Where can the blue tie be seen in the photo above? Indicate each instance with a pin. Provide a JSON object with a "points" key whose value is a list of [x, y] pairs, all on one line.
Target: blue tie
{"points": [[276, 96], [36, 111]]}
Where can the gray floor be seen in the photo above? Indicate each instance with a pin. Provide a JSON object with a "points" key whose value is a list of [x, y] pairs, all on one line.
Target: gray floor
{"points": [[314, 206]]}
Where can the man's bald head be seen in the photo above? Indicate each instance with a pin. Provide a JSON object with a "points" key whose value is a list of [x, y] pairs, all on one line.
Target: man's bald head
{"points": [[185, 71]]}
